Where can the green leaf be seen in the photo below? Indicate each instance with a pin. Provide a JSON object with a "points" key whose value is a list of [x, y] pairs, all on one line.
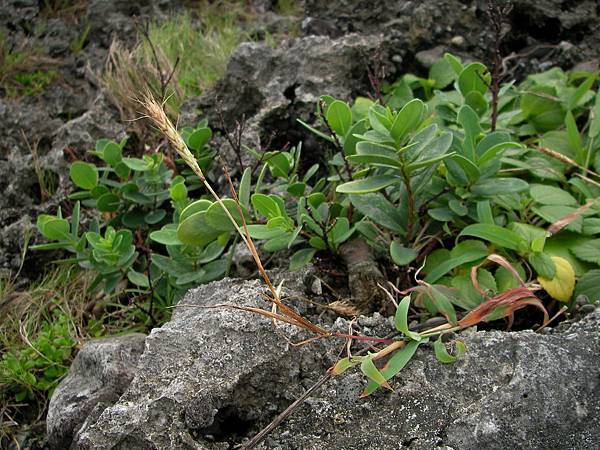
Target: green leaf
{"points": [[442, 355], [463, 253], [153, 217], [367, 367], [588, 286], [581, 90], [474, 77], [245, 187], [469, 120], [380, 210], [84, 175], [588, 250], [301, 258], [484, 212], [108, 202], [139, 279], [195, 231], [540, 108], [165, 236], [549, 195], [199, 138], [441, 303], [112, 153], [396, 363], [442, 73], [366, 185], [490, 153], [136, 164], [339, 117], [218, 219], [375, 154], [573, 134], [553, 213], [594, 129], [401, 319], [192, 208], [402, 255], [497, 235], [178, 192], [266, 206], [454, 62], [52, 227], [407, 120], [489, 187], [477, 101], [543, 264], [351, 140]]}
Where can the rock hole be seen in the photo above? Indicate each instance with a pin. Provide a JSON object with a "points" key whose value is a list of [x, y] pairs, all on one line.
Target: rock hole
{"points": [[227, 426], [290, 92], [525, 395], [547, 31]]}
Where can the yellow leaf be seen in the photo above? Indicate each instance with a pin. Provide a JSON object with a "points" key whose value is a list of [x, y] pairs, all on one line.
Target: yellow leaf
{"points": [[561, 286]]}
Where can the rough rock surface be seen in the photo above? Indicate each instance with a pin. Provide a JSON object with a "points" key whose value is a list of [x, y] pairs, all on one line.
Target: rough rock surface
{"points": [[99, 375], [210, 377]]}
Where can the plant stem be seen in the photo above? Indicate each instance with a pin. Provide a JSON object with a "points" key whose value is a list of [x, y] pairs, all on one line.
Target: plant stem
{"points": [[410, 205]]}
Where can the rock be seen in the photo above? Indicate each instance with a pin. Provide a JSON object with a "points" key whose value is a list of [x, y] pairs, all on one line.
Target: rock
{"points": [[206, 376], [272, 88], [98, 376], [212, 376], [427, 57]]}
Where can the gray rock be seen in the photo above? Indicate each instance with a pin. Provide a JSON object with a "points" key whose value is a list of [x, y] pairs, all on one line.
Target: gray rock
{"points": [[272, 88], [98, 376], [212, 376], [207, 375]]}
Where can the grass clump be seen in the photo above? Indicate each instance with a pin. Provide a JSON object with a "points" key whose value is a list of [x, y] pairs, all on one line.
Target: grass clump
{"points": [[176, 58], [23, 69]]}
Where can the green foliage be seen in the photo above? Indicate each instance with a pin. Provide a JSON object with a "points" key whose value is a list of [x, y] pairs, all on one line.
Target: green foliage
{"points": [[147, 235], [37, 367], [421, 176]]}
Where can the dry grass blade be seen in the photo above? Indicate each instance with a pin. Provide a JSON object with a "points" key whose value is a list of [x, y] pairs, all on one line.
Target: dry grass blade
{"points": [[566, 220], [565, 159], [158, 116]]}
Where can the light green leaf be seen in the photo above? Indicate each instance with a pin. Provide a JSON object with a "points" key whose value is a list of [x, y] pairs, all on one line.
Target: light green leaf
{"points": [[407, 120], [195, 231], [442, 355], [245, 187], [339, 117], [474, 77], [367, 367], [139, 279], [192, 208], [377, 208], [396, 363], [401, 319], [84, 175], [218, 219]]}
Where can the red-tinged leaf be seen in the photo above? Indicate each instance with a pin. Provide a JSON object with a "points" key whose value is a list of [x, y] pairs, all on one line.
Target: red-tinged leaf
{"points": [[503, 305], [566, 220], [344, 364]]}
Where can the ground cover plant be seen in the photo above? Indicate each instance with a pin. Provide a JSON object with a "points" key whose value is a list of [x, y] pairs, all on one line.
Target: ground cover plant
{"points": [[480, 217]]}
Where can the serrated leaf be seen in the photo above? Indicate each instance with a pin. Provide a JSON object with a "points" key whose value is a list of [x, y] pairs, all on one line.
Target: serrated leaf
{"points": [[588, 285], [549, 195], [543, 264], [588, 250]]}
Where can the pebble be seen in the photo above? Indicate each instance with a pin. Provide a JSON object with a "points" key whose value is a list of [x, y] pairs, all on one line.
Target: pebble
{"points": [[458, 41], [588, 309]]}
